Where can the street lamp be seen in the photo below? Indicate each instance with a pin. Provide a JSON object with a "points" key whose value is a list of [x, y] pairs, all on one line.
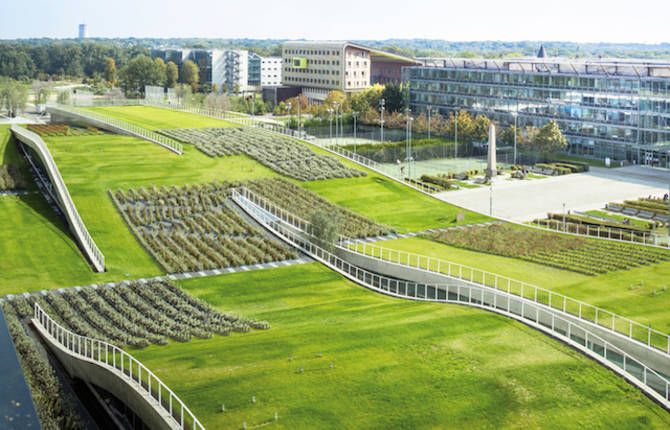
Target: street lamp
{"points": [[335, 105], [289, 114], [354, 114], [408, 148], [515, 115], [382, 108], [330, 111], [455, 133], [299, 115], [430, 109]]}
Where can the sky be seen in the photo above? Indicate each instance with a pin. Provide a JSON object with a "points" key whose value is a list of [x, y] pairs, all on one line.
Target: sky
{"points": [[642, 21]]}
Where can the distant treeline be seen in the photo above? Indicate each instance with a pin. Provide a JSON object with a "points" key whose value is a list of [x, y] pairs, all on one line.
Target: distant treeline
{"points": [[39, 58]]}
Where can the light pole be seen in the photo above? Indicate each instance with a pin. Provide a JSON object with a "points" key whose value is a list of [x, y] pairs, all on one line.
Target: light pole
{"points": [[455, 134], [515, 115], [430, 108], [289, 114], [330, 111], [382, 108], [354, 114], [298, 114], [563, 216], [335, 107], [342, 123], [408, 145]]}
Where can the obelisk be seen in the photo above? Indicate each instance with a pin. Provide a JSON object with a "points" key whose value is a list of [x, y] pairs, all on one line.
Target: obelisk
{"points": [[491, 169]]}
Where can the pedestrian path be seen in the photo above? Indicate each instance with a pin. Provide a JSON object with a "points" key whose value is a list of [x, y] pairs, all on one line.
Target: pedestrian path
{"points": [[176, 276]]}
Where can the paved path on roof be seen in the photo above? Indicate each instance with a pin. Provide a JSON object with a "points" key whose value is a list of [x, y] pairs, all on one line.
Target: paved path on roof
{"points": [[189, 275], [531, 199]]}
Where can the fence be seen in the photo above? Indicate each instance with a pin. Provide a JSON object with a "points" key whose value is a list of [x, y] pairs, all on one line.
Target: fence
{"points": [[118, 361], [70, 210], [633, 330], [621, 235], [655, 385], [133, 129]]}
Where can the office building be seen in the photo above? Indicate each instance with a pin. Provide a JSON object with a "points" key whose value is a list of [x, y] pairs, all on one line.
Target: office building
{"points": [[605, 107], [83, 31], [227, 69], [271, 68], [321, 67]]}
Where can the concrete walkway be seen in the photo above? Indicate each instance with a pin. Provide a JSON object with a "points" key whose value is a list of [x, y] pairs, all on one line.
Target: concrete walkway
{"points": [[175, 276], [526, 200]]}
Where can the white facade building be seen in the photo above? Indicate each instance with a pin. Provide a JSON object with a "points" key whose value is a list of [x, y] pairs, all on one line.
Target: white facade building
{"points": [[271, 71]]}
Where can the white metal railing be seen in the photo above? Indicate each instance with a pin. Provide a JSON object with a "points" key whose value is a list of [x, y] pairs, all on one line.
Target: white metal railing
{"points": [[493, 300], [164, 141], [602, 232], [633, 330], [80, 230], [116, 359]]}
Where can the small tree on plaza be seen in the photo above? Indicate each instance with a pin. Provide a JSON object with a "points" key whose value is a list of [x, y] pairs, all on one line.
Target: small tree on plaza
{"points": [[326, 226], [549, 138]]}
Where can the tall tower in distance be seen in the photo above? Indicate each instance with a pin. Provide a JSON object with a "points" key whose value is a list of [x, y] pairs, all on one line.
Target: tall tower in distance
{"points": [[83, 31]]}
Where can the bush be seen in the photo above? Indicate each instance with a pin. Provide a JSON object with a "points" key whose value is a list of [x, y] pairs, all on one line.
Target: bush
{"points": [[437, 180]]}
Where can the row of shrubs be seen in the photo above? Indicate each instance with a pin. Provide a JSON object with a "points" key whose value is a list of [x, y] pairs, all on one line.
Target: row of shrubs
{"points": [[438, 180]]}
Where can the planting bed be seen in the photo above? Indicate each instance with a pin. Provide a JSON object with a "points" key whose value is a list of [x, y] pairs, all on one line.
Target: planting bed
{"points": [[282, 154], [304, 203], [136, 314], [581, 255], [195, 228], [59, 130]]}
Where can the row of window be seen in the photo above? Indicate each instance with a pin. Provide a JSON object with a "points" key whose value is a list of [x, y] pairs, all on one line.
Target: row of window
{"points": [[357, 84], [310, 52], [310, 80], [315, 71], [310, 61], [357, 64], [656, 86]]}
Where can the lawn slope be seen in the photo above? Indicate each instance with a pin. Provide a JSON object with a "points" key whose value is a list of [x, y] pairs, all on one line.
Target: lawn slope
{"points": [[396, 363]]}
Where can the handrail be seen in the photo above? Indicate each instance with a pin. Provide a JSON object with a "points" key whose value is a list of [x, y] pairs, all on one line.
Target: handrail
{"points": [[164, 141], [79, 228], [601, 232], [592, 314], [116, 359], [647, 379]]}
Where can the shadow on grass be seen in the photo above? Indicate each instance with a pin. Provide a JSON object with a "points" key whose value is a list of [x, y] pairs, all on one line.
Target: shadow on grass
{"points": [[43, 210]]}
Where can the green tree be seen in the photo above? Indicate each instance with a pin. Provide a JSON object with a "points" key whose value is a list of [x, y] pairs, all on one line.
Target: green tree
{"points": [[549, 138], [480, 128], [139, 72], [171, 74], [162, 70], [110, 71], [189, 73], [13, 96], [393, 95], [326, 226], [63, 97]]}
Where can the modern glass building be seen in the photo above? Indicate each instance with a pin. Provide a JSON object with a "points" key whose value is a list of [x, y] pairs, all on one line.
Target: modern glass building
{"points": [[605, 108]]}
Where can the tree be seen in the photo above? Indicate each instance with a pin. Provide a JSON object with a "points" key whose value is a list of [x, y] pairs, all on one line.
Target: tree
{"points": [[162, 70], [183, 94], [110, 71], [325, 226], [171, 74], [42, 91], [140, 72], [13, 96], [189, 74], [480, 128], [393, 96], [549, 138], [63, 97]]}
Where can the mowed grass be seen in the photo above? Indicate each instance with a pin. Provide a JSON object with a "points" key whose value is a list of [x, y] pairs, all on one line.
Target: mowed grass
{"points": [[610, 291], [396, 364], [374, 196], [157, 119], [90, 165]]}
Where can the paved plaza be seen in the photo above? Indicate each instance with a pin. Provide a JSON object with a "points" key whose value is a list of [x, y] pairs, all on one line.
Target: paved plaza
{"points": [[529, 199]]}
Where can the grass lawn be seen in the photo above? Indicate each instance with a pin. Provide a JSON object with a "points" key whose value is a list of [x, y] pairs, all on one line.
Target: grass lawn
{"points": [[374, 196], [397, 364], [90, 166], [616, 217], [157, 119], [610, 291]]}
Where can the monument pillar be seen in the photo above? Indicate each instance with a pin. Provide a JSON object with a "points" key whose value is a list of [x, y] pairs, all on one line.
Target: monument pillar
{"points": [[491, 169]]}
